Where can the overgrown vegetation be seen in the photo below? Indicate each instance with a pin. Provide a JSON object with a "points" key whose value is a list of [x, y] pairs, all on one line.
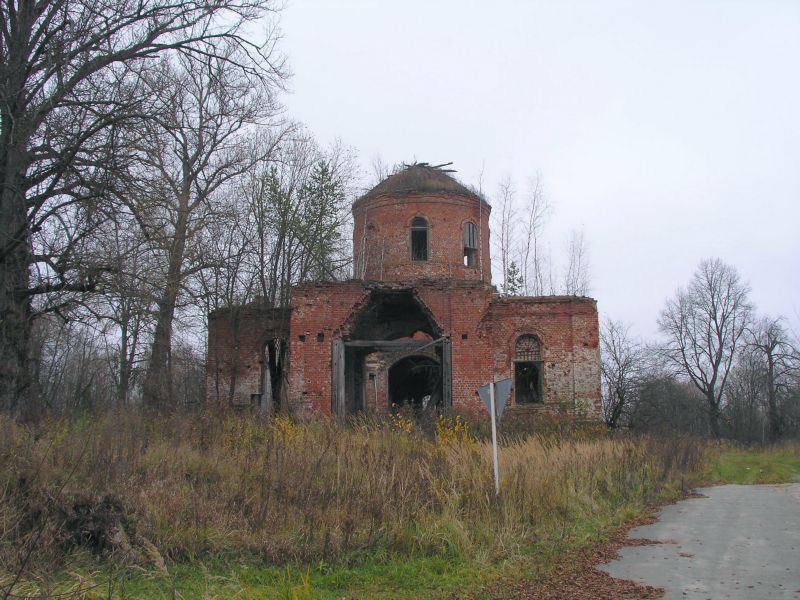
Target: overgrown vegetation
{"points": [[196, 491]]}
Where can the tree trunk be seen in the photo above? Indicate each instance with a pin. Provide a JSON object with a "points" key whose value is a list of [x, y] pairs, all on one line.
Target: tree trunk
{"points": [[15, 329], [15, 256], [124, 365], [772, 400], [157, 389], [713, 415]]}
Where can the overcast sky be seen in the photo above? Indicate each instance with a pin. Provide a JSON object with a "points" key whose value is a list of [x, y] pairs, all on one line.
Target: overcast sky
{"points": [[669, 132]]}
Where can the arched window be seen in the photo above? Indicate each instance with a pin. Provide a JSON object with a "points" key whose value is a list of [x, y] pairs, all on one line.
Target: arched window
{"points": [[528, 370], [470, 244], [419, 239], [528, 348]]}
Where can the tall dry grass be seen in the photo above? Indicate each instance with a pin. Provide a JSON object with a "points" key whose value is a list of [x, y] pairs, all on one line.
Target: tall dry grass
{"points": [[200, 486]]}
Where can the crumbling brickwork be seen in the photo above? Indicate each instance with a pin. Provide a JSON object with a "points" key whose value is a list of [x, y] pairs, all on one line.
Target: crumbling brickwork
{"points": [[483, 328], [237, 337], [415, 327], [567, 327]]}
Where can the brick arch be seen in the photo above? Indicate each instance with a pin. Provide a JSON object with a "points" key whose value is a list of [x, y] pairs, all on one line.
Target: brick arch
{"points": [[411, 376], [424, 320], [418, 215], [526, 331], [528, 344]]}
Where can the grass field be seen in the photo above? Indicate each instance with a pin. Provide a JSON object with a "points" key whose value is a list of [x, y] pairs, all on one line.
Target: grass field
{"points": [[209, 506], [780, 464]]}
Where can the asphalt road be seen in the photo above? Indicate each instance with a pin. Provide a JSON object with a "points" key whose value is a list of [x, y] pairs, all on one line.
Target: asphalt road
{"points": [[735, 542]]}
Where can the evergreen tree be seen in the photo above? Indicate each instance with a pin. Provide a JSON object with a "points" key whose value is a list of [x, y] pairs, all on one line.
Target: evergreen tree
{"points": [[515, 282]]}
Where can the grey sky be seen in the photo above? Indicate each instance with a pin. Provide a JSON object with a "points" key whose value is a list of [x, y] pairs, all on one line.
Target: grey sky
{"points": [[669, 132]]}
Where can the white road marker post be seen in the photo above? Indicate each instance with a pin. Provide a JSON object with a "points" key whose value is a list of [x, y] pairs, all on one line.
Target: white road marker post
{"points": [[494, 396], [494, 438]]}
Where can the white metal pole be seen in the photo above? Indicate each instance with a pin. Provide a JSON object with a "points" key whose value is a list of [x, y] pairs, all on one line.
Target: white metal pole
{"points": [[494, 439]]}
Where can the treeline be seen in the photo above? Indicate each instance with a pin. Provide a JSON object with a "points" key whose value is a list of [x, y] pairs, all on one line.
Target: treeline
{"points": [[719, 368], [148, 176]]}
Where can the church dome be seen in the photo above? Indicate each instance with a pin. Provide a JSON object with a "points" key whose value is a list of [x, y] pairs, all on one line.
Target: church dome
{"points": [[420, 178], [421, 223]]}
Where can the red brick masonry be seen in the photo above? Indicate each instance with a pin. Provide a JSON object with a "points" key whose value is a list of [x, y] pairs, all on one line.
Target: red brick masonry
{"points": [[482, 326]]}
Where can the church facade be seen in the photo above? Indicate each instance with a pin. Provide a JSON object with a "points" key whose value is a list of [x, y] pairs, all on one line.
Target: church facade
{"points": [[419, 325]]}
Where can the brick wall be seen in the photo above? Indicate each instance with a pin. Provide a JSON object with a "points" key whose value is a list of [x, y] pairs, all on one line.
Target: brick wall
{"points": [[568, 330], [382, 237], [318, 312], [483, 328], [236, 340]]}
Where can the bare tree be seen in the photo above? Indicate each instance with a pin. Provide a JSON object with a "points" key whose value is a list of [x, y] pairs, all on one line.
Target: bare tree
{"points": [[273, 195], [770, 341], [324, 213], [577, 280], [537, 209], [622, 366], [193, 145], [284, 224], [664, 402], [67, 81], [229, 280], [380, 170], [505, 227], [298, 204], [703, 325], [124, 307], [72, 363], [745, 398]]}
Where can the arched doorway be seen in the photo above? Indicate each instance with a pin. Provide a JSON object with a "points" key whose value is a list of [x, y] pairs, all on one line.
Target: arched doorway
{"points": [[396, 323], [416, 381]]}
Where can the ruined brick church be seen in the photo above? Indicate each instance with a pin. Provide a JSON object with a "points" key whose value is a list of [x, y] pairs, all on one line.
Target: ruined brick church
{"points": [[419, 325]]}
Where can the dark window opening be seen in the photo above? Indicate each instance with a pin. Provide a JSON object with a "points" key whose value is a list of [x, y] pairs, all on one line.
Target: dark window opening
{"points": [[320, 337], [527, 382], [301, 337], [419, 239], [355, 398], [528, 367], [470, 244]]}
